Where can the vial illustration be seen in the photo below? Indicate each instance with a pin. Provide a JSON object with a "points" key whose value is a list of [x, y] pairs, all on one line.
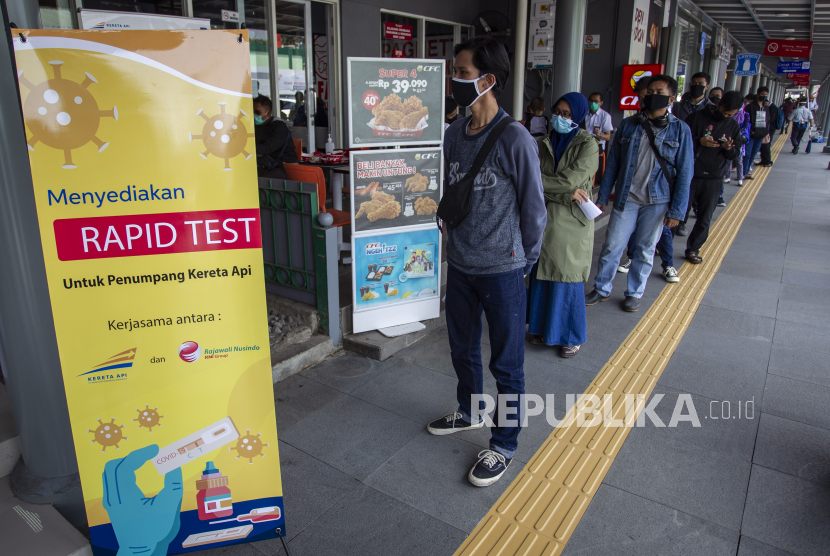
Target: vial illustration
{"points": [[213, 497]]}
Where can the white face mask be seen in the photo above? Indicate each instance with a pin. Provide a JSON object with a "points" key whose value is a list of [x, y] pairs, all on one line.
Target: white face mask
{"points": [[465, 91]]}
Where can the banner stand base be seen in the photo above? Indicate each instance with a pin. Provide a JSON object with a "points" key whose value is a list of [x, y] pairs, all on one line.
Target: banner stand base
{"points": [[64, 493], [401, 329]]}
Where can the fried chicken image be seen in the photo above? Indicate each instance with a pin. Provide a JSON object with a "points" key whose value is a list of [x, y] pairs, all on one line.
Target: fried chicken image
{"points": [[416, 183], [424, 206], [412, 104], [411, 120], [392, 102], [390, 118], [382, 205]]}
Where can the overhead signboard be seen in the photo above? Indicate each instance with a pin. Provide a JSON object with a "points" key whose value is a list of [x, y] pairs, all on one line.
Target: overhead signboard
{"points": [[149, 221], [799, 78], [702, 42], [395, 101], [395, 240], [630, 76], [788, 49], [747, 64], [794, 67], [102, 20], [639, 32]]}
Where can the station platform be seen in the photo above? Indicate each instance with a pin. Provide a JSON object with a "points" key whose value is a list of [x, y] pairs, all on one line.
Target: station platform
{"points": [[742, 340]]}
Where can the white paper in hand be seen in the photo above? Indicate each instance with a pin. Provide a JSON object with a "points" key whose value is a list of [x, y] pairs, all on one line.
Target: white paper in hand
{"points": [[590, 210]]}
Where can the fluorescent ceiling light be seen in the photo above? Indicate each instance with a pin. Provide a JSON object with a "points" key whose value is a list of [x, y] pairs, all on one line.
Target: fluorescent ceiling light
{"points": [[788, 30]]}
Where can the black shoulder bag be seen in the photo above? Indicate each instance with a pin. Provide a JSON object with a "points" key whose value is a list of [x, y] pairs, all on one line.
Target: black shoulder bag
{"points": [[458, 199], [659, 157]]}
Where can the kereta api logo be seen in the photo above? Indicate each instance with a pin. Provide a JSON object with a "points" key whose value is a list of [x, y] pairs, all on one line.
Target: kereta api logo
{"points": [[190, 351], [110, 369]]}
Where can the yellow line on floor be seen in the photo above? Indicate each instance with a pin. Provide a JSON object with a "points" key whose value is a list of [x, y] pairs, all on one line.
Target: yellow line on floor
{"points": [[540, 510]]}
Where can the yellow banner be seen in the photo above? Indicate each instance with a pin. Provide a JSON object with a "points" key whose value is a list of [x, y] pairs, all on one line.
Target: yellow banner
{"points": [[142, 152]]}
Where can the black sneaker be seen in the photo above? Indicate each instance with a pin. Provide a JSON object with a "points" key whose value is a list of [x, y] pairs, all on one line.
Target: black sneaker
{"points": [[594, 297], [450, 424], [490, 467], [681, 230]]}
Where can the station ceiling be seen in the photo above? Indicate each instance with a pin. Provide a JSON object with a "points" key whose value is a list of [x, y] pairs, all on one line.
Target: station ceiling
{"points": [[752, 22]]}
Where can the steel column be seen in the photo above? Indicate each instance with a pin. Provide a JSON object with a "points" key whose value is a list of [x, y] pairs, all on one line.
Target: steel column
{"points": [[520, 59], [567, 46], [731, 78]]}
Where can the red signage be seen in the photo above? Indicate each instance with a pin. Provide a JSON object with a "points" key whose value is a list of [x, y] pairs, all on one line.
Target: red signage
{"points": [[397, 31], [800, 79], [788, 49], [630, 76], [105, 237]]}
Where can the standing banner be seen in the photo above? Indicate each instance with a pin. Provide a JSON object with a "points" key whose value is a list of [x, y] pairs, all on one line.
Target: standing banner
{"points": [[395, 240], [395, 101], [141, 147]]}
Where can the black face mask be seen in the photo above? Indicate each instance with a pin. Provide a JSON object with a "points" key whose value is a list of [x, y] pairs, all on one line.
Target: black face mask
{"points": [[714, 100], [697, 90], [451, 120], [762, 99], [655, 102]]}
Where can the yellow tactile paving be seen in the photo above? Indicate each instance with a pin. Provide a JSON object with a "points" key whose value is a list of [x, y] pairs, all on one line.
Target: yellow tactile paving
{"points": [[539, 511]]}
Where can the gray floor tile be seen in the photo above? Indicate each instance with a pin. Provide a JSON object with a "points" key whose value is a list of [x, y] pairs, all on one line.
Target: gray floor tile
{"points": [[246, 549], [799, 401], [297, 397], [801, 336], [433, 352], [793, 448], [310, 488], [352, 435], [805, 294], [806, 278], [787, 512], [714, 379], [682, 476], [804, 312], [733, 350], [618, 523], [759, 253], [716, 320], [803, 365], [750, 270], [344, 373], [441, 488], [368, 522], [413, 392], [746, 295], [751, 547]]}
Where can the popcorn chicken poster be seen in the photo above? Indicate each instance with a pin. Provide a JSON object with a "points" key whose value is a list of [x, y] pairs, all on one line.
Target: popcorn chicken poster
{"points": [[395, 188], [396, 101], [141, 145]]}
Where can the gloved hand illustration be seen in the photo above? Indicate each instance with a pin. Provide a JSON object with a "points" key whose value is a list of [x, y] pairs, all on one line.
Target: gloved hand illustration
{"points": [[143, 526]]}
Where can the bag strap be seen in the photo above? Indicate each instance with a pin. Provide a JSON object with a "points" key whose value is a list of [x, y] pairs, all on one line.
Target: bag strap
{"points": [[662, 161], [488, 145]]}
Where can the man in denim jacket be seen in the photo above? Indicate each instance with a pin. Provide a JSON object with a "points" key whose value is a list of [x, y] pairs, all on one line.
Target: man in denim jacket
{"points": [[643, 198]]}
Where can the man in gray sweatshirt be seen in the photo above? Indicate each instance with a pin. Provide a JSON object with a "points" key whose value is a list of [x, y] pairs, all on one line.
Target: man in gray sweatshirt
{"points": [[489, 253]]}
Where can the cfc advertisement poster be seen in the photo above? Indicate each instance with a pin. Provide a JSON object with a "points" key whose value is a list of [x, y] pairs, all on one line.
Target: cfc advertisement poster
{"points": [[395, 188], [396, 278], [394, 101], [141, 147]]}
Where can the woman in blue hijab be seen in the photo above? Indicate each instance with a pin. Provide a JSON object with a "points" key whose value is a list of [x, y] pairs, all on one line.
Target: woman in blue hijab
{"points": [[569, 158]]}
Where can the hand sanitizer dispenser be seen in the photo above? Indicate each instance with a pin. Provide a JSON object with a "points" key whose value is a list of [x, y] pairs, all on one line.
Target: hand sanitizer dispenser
{"points": [[329, 145]]}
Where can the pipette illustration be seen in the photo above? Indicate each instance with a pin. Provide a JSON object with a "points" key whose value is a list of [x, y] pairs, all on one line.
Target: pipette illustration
{"points": [[256, 515]]}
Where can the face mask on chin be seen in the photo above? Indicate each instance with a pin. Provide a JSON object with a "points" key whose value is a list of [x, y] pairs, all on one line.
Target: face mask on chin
{"points": [[465, 91]]}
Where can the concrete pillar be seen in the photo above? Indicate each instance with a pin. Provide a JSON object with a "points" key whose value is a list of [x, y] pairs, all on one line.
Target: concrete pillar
{"points": [[48, 471], [746, 83], [25, 14], [673, 51], [520, 59], [756, 80], [567, 46], [731, 78], [825, 124]]}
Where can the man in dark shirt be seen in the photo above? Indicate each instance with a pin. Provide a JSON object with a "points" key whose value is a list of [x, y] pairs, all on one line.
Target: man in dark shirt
{"points": [[717, 138], [274, 146], [695, 99], [766, 153], [759, 121]]}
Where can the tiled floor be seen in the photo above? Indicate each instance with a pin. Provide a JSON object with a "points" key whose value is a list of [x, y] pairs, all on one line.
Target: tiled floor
{"points": [[362, 476]]}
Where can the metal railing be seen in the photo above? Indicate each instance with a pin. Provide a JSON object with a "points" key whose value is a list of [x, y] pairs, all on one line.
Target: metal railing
{"points": [[295, 247]]}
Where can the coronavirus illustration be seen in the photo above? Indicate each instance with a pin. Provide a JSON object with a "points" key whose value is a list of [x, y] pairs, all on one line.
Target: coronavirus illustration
{"points": [[249, 446], [224, 135], [148, 418], [63, 114], [108, 434]]}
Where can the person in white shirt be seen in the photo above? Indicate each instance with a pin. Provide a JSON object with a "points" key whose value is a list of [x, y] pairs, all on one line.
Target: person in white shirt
{"points": [[813, 105], [801, 119], [598, 121]]}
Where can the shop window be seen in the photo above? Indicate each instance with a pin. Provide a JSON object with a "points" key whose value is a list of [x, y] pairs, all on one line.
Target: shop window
{"points": [[163, 7], [56, 14], [212, 10], [256, 23], [399, 36]]}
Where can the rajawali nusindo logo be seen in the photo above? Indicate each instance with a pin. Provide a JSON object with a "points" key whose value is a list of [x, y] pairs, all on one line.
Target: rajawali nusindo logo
{"points": [[190, 351]]}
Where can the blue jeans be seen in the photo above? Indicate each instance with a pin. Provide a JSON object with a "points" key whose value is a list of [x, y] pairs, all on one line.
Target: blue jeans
{"points": [[645, 222], [503, 300], [752, 149], [665, 246]]}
